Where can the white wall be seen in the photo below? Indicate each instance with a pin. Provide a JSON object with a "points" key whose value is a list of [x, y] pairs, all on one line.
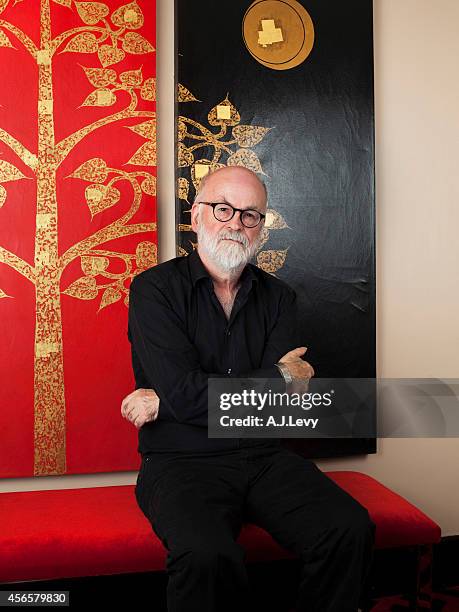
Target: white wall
{"points": [[417, 137]]}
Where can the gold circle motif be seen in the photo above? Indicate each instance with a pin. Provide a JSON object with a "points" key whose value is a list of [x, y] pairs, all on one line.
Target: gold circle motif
{"points": [[279, 34]]}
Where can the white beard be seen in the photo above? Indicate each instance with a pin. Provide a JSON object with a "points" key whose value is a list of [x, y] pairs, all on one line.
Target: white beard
{"points": [[226, 255]]}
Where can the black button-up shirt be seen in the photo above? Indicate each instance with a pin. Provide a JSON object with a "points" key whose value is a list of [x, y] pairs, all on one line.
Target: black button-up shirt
{"points": [[180, 337]]}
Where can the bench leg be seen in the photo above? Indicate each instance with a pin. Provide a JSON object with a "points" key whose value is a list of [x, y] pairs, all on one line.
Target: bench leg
{"points": [[423, 596]]}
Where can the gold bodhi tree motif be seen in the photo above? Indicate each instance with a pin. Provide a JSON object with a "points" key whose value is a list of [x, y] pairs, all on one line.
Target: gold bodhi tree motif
{"points": [[110, 36], [232, 146]]}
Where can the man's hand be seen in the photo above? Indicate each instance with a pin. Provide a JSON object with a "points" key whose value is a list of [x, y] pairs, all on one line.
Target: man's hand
{"points": [[297, 367], [140, 407]]}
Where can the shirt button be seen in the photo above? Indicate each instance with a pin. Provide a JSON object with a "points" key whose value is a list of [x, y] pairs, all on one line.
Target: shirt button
{"points": [[229, 370]]}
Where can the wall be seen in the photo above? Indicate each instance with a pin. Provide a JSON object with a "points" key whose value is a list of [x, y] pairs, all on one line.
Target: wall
{"points": [[417, 200]]}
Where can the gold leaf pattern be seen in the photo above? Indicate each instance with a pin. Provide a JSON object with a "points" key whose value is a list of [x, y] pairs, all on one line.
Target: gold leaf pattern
{"points": [[246, 158], [181, 130], [3, 4], [249, 135], [183, 188], [271, 261], [100, 77], [184, 94], [3, 294], [91, 12], [101, 197], [148, 91], [82, 43], [234, 116], [84, 288], [109, 55], [135, 43], [132, 77], [8, 172], [184, 156], [182, 252], [203, 162], [147, 129], [146, 255], [148, 186], [3, 194], [4, 40], [145, 155], [94, 169], [110, 296], [128, 16], [93, 265], [100, 97], [274, 220]]}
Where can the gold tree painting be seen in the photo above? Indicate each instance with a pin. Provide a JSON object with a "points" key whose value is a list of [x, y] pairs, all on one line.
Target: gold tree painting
{"points": [[77, 223]]}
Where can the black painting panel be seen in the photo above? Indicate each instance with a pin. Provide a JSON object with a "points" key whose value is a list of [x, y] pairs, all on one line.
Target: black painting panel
{"points": [[318, 165]]}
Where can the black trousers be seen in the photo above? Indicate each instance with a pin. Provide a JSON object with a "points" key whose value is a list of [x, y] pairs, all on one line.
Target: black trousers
{"points": [[197, 504]]}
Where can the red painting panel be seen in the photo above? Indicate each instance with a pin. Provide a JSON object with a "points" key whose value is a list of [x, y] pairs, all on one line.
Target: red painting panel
{"points": [[77, 223]]}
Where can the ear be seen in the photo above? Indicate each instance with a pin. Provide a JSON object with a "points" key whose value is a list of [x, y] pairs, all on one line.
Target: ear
{"points": [[194, 214]]}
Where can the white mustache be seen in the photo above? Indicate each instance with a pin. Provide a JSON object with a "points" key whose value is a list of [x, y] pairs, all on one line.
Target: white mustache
{"points": [[236, 237]]}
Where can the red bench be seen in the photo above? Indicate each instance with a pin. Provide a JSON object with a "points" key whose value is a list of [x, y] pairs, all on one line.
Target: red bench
{"points": [[47, 535]]}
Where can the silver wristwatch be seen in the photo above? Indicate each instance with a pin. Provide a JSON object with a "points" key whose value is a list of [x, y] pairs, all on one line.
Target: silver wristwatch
{"points": [[285, 372]]}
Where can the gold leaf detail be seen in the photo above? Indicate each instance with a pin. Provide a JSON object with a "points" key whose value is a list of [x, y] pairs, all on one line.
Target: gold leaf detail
{"points": [[185, 95], [181, 130], [43, 220], [148, 91], [134, 43], [109, 55], [128, 16], [215, 116], [100, 77], [3, 194], [249, 135], [183, 188], [4, 40], [84, 288], [146, 255], [147, 129], [110, 296], [271, 261], [145, 155], [83, 43], [94, 169], [8, 172], [149, 185], [93, 265], [3, 294], [100, 97], [246, 158], [100, 197], [43, 57], [198, 170], [91, 12], [132, 77], [43, 349], [274, 220], [182, 252], [184, 156], [3, 5]]}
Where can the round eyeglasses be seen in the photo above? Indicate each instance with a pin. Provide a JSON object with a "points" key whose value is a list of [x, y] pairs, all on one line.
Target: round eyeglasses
{"points": [[224, 212]]}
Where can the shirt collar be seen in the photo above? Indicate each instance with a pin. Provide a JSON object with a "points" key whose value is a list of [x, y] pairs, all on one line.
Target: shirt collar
{"points": [[198, 270]]}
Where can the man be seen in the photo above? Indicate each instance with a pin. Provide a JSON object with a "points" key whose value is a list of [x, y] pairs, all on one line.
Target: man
{"points": [[213, 314]]}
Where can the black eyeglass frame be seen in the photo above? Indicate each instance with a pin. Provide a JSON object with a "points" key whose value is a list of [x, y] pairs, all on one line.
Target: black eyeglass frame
{"points": [[241, 210]]}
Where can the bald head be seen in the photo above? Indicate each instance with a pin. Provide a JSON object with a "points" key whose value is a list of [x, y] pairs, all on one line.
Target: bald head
{"points": [[231, 173]]}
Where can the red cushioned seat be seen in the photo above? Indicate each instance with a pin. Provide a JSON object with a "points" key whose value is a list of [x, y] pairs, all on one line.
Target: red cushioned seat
{"points": [[398, 522], [96, 531]]}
